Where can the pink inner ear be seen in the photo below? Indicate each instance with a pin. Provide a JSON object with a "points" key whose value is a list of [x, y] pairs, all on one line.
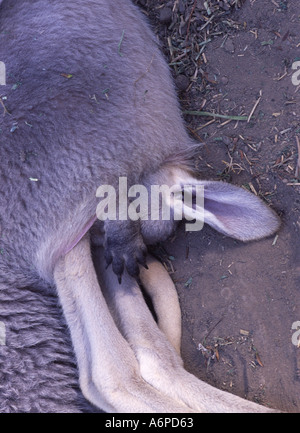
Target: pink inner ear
{"points": [[227, 210], [80, 235]]}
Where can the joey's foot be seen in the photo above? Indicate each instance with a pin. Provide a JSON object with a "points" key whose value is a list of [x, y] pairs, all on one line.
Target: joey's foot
{"points": [[124, 247]]}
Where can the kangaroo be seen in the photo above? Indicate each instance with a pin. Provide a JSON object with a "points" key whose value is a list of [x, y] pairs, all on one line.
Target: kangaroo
{"points": [[89, 99]]}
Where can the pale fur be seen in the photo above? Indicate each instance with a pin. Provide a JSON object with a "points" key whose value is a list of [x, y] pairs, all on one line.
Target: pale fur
{"points": [[126, 363]]}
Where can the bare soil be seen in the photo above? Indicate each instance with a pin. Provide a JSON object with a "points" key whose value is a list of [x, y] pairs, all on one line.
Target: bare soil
{"points": [[239, 301]]}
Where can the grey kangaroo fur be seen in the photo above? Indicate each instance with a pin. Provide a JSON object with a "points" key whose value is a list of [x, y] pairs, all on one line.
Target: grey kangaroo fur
{"points": [[88, 99]]}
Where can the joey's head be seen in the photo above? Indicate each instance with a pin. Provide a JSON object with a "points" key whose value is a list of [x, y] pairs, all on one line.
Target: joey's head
{"points": [[229, 209], [160, 223]]}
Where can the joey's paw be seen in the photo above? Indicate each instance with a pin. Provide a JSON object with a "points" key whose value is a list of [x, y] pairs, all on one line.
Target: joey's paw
{"points": [[125, 252]]}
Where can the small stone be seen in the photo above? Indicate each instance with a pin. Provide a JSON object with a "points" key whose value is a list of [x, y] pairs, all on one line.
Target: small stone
{"points": [[228, 46], [227, 140], [165, 15], [182, 82], [181, 7], [224, 80]]}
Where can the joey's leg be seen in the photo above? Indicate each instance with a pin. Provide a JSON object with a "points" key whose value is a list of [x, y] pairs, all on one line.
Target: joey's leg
{"points": [[159, 363], [108, 370], [160, 287]]}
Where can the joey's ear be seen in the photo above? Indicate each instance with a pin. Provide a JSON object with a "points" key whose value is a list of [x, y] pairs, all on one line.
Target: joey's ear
{"points": [[236, 212]]}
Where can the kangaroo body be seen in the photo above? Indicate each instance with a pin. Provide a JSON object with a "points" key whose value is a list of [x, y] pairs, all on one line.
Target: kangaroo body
{"points": [[84, 98]]}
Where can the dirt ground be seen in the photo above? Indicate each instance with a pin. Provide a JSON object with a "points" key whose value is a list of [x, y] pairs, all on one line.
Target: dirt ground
{"points": [[240, 301]]}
